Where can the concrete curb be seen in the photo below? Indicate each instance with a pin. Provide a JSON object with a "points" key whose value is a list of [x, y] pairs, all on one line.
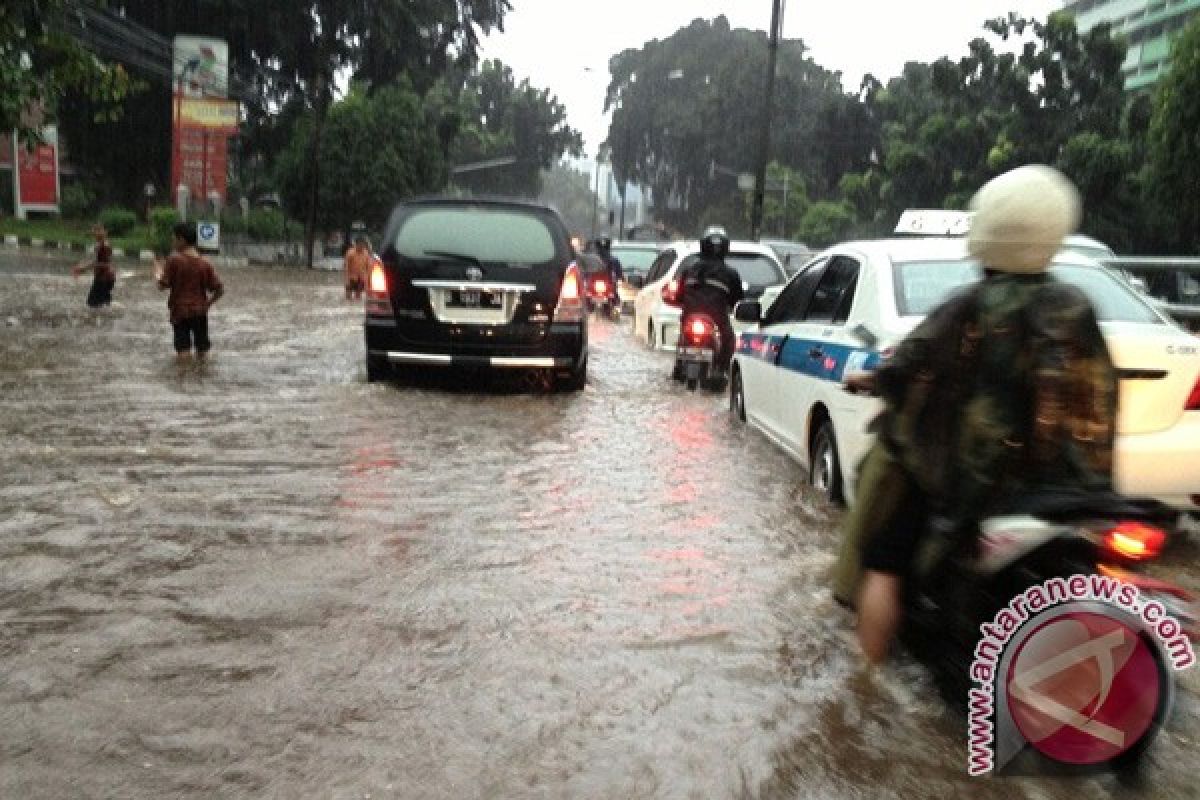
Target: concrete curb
{"points": [[14, 242]]}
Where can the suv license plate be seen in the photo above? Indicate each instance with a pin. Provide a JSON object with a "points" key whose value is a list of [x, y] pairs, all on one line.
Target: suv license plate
{"points": [[475, 298]]}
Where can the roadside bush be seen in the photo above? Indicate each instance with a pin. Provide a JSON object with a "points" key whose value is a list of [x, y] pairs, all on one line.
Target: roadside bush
{"points": [[267, 225], [232, 221], [162, 220], [118, 221], [76, 202]]}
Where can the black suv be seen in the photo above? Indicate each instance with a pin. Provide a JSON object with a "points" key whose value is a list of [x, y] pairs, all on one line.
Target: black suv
{"points": [[476, 283]]}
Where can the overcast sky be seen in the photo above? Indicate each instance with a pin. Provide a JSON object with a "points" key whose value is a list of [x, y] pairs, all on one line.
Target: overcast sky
{"points": [[565, 45]]}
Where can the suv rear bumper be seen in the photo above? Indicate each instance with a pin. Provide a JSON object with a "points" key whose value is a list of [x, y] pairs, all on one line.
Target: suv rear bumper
{"points": [[459, 360], [563, 346]]}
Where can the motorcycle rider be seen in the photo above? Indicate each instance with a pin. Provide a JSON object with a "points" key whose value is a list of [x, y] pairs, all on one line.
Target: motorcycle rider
{"points": [[611, 263], [712, 287], [1006, 388]]}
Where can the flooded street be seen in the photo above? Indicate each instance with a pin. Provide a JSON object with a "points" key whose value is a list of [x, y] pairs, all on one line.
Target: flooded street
{"points": [[264, 577]]}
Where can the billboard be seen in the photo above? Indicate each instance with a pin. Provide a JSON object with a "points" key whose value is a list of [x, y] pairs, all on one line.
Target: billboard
{"points": [[203, 118]]}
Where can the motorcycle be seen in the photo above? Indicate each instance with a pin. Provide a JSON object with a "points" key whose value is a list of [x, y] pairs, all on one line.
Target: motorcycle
{"points": [[696, 352], [602, 295], [1054, 535]]}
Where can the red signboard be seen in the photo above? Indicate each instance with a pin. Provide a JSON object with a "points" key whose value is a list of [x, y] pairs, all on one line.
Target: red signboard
{"points": [[36, 173], [200, 161], [39, 176]]}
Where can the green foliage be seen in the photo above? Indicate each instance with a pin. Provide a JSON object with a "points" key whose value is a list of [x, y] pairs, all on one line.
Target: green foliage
{"points": [[825, 223], [497, 117], [685, 110], [386, 150], [270, 225], [572, 194], [40, 62], [162, 220], [783, 183], [1174, 146], [118, 221], [77, 201]]}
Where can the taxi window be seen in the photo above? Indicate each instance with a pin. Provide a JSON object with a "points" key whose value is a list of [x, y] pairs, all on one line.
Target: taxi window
{"points": [[834, 293], [793, 300], [660, 266], [922, 285]]}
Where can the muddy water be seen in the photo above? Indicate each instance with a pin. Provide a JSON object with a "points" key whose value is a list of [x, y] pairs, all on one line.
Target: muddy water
{"points": [[264, 577]]}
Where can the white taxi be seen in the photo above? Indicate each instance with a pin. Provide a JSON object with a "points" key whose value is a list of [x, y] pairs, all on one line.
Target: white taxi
{"points": [[854, 301], [656, 318]]}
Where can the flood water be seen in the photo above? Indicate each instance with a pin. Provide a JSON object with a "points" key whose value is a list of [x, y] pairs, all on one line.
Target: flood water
{"points": [[263, 577]]}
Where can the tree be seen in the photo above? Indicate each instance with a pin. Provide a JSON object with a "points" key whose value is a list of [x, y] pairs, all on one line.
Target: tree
{"points": [[40, 62], [682, 108], [948, 127], [497, 118], [571, 192], [387, 151], [825, 223], [1174, 147]]}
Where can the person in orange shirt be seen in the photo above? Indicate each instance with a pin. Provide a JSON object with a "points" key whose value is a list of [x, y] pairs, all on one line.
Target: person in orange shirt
{"points": [[357, 265]]}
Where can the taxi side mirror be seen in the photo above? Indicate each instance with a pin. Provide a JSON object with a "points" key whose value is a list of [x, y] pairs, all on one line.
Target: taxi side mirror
{"points": [[864, 335], [748, 311]]}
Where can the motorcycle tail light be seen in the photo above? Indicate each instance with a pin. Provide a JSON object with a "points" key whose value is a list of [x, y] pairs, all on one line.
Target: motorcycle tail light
{"points": [[699, 328], [1135, 541], [600, 287]]}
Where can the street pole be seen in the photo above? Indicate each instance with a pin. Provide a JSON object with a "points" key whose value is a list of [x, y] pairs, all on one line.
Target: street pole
{"points": [[596, 196], [783, 220], [764, 149], [624, 186]]}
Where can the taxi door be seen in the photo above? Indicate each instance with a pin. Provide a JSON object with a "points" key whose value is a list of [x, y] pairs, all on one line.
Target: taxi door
{"points": [[769, 380], [818, 349]]}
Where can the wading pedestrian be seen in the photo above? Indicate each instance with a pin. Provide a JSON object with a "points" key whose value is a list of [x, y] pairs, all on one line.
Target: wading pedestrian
{"points": [[194, 286], [104, 277]]}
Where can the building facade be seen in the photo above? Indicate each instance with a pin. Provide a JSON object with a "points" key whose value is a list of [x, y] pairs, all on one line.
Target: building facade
{"points": [[1148, 25]]}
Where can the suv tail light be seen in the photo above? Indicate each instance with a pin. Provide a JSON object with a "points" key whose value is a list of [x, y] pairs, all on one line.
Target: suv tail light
{"points": [[1135, 541], [377, 290], [1193, 401], [670, 292], [600, 287], [570, 297]]}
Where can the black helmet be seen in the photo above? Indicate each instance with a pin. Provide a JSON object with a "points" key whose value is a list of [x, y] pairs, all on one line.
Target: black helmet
{"points": [[714, 243], [603, 245]]}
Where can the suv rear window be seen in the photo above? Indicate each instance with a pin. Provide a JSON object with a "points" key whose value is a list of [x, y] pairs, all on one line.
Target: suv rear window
{"points": [[922, 285], [490, 235]]}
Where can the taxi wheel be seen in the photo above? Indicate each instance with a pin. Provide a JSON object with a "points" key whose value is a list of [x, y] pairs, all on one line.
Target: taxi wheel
{"points": [[825, 468], [651, 337], [737, 397]]}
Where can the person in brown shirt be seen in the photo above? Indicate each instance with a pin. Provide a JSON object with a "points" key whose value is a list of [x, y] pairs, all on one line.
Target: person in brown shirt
{"points": [[104, 277], [357, 265], [194, 287]]}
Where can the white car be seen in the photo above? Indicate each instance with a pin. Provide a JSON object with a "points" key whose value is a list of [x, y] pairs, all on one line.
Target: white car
{"points": [[656, 322], [856, 300]]}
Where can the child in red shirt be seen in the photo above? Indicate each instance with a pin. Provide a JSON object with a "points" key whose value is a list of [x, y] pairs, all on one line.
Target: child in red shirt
{"points": [[104, 277]]}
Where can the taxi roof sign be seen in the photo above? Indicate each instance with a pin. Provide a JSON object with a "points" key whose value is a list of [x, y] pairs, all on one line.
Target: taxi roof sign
{"points": [[934, 223]]}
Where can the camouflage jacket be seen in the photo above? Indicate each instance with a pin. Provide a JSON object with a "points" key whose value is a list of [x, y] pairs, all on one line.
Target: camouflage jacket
{"points": [[1006, 388]]}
